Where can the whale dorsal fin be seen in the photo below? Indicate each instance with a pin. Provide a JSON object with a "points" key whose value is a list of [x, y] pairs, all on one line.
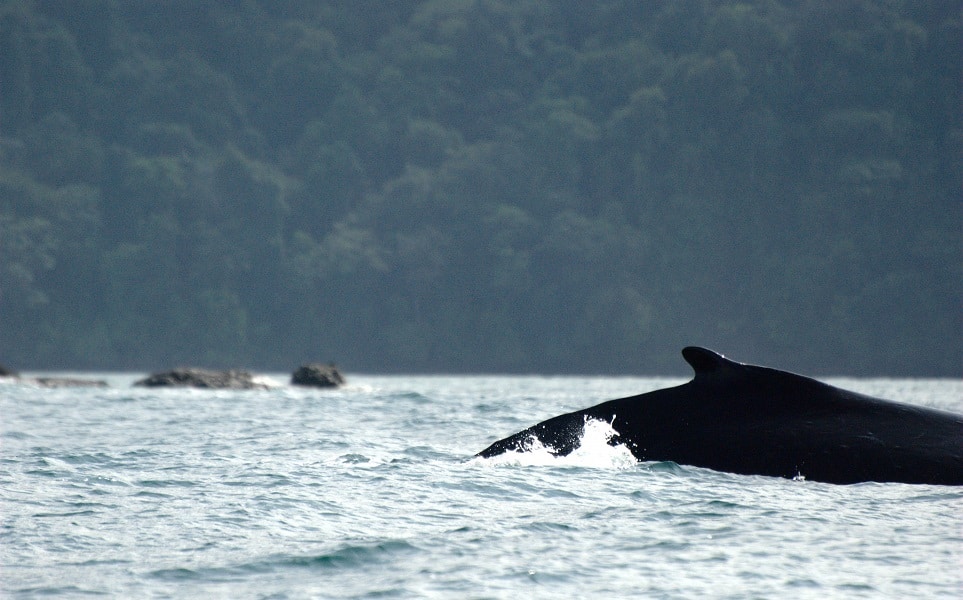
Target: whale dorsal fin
{"points": [[704, 361]]}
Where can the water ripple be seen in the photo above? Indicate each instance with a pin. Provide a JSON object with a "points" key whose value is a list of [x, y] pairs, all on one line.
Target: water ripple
{"points": [[370, 491]]}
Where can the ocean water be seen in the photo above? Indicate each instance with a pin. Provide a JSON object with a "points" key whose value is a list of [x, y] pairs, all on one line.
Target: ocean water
{"points": [[371, 491]]}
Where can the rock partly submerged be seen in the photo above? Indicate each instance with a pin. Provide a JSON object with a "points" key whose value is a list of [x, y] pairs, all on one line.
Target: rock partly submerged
{"points": [[50, 382], [66, 382], [308, 375], [205, 379], [317, 375]]}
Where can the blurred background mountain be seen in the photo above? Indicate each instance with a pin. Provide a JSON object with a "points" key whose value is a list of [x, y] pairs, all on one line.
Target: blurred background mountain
{"points": [[481, 185]]}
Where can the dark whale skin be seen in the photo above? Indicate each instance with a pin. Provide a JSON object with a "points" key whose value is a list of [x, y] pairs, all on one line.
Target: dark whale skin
{"points": [[754, 420]]}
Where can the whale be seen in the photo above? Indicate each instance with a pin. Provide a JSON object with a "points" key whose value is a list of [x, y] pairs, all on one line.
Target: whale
{"points": [[754, 420]]}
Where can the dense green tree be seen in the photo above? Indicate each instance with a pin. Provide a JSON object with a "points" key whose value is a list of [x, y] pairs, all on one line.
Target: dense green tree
{"points": [[481, 184]]}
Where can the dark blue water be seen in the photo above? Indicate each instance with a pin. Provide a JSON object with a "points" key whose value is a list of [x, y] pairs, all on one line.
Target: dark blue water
{"points": [[370, 492]]}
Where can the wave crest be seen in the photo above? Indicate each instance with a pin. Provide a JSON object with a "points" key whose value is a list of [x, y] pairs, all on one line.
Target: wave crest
{"points": [[594, 451]]}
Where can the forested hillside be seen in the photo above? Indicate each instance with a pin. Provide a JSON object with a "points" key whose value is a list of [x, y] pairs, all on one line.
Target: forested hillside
{"points": [[481, 185]]}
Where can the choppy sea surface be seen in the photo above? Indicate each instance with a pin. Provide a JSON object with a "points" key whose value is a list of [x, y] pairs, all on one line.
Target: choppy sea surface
{"points": [[371, 491]]}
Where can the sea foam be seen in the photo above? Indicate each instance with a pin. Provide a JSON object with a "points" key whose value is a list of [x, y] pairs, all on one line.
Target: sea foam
{"points": [[594, 451]]}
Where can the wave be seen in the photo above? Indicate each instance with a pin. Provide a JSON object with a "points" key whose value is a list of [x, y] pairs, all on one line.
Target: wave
{"points": [[595, 450], [347, 556]]}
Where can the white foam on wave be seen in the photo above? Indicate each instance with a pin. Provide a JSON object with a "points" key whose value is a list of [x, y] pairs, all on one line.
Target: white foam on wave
{"points": [[594, 451], [267, 381]]}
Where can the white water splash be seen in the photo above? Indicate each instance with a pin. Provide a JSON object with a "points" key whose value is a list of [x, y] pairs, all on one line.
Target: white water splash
{"points": [[267, 381], [594, 451]]}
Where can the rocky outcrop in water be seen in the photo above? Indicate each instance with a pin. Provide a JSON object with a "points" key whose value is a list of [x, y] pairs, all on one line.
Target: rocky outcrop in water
{"points": [[65, 382], [317, 375], [51, 382], [202, 378]]}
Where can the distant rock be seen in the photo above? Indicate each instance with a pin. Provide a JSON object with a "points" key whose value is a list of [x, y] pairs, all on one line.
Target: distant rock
{"points": [[317, 375], [62, 382], [51, 382], [202, 378]]}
